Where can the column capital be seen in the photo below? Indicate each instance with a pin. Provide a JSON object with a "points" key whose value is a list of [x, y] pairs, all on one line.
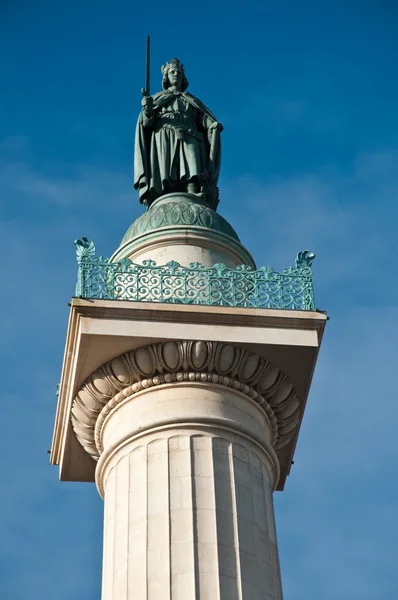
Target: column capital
{"points": [[173, 363]]}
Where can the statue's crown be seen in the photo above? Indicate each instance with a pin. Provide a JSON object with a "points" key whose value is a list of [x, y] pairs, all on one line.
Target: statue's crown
{"points": [[173, 63]]}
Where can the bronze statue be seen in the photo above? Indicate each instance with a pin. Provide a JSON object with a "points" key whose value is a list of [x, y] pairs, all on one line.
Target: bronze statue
{"points": [[177, 142]]}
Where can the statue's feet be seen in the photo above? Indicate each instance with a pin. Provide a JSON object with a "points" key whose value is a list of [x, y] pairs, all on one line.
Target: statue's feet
{"points": [[192, 188]]}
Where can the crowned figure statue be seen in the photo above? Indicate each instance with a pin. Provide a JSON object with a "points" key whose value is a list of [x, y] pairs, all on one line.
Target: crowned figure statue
{"points": [[177, 142]]}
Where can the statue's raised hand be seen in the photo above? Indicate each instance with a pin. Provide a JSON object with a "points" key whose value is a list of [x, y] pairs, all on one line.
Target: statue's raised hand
{"points": [[147, 105]]}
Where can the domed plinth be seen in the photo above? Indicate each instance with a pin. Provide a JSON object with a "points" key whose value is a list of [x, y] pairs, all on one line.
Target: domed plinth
{"points": [[181, 227]]}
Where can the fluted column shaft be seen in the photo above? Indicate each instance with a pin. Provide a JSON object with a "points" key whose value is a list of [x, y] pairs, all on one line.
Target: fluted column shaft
{"points": [[188, 504]]}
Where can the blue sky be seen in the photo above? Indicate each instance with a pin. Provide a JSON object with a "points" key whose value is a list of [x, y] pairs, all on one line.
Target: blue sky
{"points": [[308, 94]]}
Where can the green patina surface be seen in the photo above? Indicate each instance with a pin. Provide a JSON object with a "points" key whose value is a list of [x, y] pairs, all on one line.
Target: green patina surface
{"points": [[182, 210], [177, 142], [215, 286]]}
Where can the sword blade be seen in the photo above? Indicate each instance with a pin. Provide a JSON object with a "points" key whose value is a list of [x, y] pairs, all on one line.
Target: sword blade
{"points": [[147, 69]]}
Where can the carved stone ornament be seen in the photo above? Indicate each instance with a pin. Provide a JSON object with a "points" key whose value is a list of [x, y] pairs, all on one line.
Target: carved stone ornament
{"points": [[179, 210], [184, 361]]}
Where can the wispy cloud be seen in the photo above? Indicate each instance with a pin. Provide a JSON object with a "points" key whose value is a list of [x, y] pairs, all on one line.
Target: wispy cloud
{"points": [[348, 220], [84, 186]]}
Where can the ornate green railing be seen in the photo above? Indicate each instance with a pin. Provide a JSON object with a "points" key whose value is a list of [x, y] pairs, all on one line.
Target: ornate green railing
{"points": [[215, 286]]}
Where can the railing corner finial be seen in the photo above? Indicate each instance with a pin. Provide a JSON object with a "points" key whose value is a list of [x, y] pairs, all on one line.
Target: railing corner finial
{"points": [[304, 259], [85, 249]]}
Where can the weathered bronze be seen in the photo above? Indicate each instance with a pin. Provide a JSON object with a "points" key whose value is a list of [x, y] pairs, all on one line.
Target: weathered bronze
{"points": [[177, 142], [145, 91]]}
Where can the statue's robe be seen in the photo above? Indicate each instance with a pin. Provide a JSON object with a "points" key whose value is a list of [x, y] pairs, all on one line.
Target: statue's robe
{"points": [[173, 145]]}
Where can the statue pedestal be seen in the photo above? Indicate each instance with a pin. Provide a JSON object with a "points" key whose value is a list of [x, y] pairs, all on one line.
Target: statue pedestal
{"points": [[182, 227], [187, 417]]}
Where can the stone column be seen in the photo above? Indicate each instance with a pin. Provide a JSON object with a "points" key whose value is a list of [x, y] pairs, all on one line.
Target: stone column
{"points": [[188, 501], [184, 433]]}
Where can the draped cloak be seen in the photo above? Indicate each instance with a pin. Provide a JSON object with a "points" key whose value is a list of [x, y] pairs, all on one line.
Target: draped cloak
{"points": [[173, 146]]}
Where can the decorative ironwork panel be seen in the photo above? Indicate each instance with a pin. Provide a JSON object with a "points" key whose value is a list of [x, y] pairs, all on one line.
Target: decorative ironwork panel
{"points": [[215, 286]]}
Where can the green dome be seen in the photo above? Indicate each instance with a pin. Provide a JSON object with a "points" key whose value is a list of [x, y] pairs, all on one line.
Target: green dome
{"points": [[178, 210]]}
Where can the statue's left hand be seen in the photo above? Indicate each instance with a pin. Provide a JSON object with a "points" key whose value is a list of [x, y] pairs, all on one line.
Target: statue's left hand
{"points": [[147, 105], [216, 126]]}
